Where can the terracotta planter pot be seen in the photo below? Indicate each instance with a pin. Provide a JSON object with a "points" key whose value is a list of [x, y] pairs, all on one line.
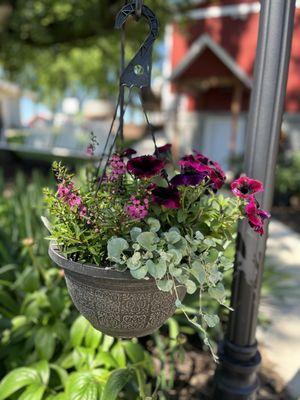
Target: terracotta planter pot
{"points": [[114, 302]]}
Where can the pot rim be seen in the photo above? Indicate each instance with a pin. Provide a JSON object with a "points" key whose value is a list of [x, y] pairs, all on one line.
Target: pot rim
{"points": [[93, 271]]}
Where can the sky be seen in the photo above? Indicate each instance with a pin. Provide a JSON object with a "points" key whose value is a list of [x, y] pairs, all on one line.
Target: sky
{"points": [[29, 109]]}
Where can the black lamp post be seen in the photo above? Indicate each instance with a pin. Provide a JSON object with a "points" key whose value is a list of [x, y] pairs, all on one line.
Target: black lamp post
{"points": [[236, 377]]}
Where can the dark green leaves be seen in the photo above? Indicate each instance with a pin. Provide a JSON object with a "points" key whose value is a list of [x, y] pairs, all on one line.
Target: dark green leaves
{"points": [[116, 382], [45, 342]]}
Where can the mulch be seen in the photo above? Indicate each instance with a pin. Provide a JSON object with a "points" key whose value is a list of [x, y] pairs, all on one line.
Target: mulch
{"points": [[195, 379]]}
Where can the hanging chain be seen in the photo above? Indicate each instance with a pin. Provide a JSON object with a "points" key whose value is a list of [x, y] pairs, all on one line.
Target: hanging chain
{"points": [[122, 89], [136, 74], [117, 134]]}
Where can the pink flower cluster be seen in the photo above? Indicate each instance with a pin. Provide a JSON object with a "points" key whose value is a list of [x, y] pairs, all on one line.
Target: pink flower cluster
{"points": [[137, 208], [117, 168], [66, 193], [90, 150], [246, 188]]}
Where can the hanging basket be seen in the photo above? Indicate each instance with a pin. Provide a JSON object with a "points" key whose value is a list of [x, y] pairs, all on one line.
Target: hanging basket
{"points": [[114, 302]]}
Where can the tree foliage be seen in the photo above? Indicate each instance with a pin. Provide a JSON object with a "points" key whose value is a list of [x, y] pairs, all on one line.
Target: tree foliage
{"points": [[50, 46]]}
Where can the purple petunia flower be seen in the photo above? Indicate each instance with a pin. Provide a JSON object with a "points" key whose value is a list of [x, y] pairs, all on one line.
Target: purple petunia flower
{"points": [[198, 163], [145, 166], [256, 216], [245, 187], [188, 179], [168, 197]]}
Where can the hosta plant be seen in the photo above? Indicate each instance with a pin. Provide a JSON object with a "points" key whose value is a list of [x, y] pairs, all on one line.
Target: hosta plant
{"points": [[158, 220]]}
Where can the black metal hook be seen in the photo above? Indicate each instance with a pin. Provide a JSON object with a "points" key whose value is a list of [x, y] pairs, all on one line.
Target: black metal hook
{"points": [[138, 9], [138, 71]]}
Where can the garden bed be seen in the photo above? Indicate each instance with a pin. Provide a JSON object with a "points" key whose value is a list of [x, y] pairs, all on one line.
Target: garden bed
{"points": [[194, 379]]}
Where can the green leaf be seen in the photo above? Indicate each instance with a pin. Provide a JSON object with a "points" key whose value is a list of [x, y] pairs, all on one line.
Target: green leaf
{"points": [[213, 256], [199, 272], [83, 386], [45, 342], [17, 379], [106, 359], [175, 255], [134, 233], [165, 285], [60, 396], [172, 237], [115, 249], [209, 242], [42, 367], [181, 217], [174, 329], [92, 337], [29, 280], [78, 330], [139, 273], [154, 224], [115, 383], [134, 351], [135, 261], [174, 271], [190, 286], [211, 320], [218, 292], [147, 239], [199, 235], [33, 392], [119, 354], [108, 341], [61, 372], [157, 270]]}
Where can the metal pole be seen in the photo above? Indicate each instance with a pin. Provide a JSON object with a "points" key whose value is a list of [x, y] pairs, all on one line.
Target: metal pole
{"points": [[236, 377]]}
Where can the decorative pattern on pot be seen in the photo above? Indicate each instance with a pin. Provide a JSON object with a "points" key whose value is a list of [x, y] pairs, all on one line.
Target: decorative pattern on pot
{"points": [[114, 302]]}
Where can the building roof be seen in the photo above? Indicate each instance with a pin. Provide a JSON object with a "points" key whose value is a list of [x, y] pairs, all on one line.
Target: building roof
{"points": [[229, 30], [197, 49]]}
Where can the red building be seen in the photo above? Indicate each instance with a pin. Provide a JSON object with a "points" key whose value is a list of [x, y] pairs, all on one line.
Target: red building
{"points": [[210, 66]]}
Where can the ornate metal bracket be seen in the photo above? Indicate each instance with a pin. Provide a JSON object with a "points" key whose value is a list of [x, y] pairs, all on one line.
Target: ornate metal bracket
{"points": [[138, 71]]}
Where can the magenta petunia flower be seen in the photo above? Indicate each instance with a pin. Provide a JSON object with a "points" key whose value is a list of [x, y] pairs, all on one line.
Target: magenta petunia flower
{"points": [[217, 177], [198, 163], [190, 164], [128, 153], [145, 166], [168, 197], [256, 216], [164, 149], [245, 187], [188, 179]]}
